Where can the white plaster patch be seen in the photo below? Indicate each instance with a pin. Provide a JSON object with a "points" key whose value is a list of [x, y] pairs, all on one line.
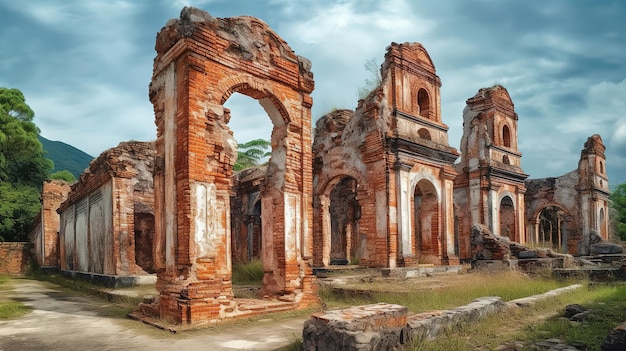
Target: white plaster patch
{"points": [[206, 218]]}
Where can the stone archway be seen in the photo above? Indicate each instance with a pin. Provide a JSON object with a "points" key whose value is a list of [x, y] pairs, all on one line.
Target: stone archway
{"points": [[201, 61]]}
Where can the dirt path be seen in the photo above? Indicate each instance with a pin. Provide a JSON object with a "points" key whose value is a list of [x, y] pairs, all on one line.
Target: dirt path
{"points": [[60, 321]]}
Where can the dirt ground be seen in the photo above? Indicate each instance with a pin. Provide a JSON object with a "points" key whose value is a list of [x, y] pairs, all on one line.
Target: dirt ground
{"points": [[62, 321]]}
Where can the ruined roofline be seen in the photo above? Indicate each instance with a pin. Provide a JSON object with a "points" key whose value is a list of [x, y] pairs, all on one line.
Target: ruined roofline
{"points": [[244, 37], [413, 57], [496, 96], [102, 167]]}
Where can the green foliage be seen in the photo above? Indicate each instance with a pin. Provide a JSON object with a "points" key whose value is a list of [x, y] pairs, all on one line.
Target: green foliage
{"points": [[251, 153], [248, 272], [23, 167], [618, 202], [63, 175], [66, 157], [374, 80], [19, 204]]}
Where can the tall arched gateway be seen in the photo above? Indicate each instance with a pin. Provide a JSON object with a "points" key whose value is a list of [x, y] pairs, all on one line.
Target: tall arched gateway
{"points": [[201, 61]]}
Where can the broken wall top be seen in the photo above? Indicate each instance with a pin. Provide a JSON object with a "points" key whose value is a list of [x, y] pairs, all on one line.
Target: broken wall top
{"points": [[131, 159], [493, 97], [242, 38], [415, 56], [593, 145]]}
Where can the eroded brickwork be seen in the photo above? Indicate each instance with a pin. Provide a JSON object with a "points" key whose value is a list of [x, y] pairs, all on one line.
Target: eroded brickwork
{"points": [[490, 187], [45, 236], [201, 61], [107, 220], [564, 212]]}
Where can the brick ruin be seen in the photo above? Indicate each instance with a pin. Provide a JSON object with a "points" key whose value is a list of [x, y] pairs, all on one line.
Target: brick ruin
{"points": [[107, 221], [568, 211], [383, 174], [201, 61], [379, 186], [45, 233]]}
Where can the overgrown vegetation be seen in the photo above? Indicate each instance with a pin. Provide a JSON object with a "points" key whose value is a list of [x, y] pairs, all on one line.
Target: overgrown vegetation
{"points": [[247, 273], [9, 308], [23, 167], [425, 295], [529, 325]]}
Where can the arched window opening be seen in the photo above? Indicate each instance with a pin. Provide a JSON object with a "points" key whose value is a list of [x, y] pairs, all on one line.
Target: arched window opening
{"points": [[423, 133], [603, 229], [423, 102], [601, 167], [505, 160], [506, 136]]}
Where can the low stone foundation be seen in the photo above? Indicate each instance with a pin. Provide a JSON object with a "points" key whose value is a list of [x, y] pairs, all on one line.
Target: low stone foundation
{"points": [[419, 271], [111, 281], [389, 327], [385, 326]]}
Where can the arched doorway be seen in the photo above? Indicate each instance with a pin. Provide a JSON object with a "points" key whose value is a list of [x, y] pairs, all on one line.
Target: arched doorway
{"points": [[426, 219], [344, 211], [507, 219], [551, 224]]}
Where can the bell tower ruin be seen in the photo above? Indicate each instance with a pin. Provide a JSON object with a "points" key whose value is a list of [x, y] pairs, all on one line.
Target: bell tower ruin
{"points": [[490, 187], [201, 61]]}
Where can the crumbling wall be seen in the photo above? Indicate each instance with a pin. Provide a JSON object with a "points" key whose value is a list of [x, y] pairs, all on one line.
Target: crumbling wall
{"points": [[581, 197], [391, 145], [98, 227]]}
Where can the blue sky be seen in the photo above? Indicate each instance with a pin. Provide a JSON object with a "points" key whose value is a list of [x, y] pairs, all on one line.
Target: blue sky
{"points": [[85, 66]]}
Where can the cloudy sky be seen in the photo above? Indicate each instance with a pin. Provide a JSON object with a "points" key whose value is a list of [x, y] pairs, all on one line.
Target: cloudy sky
{"points": [[85, 66]]}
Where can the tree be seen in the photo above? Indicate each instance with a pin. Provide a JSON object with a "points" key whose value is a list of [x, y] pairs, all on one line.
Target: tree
{"points": [[251, 153], [618, 203], [374, 80], [23, 167], [63, 175]]}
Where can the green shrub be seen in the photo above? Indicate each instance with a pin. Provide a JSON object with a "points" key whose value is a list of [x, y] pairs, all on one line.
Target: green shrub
{"points": [[245, 273]]}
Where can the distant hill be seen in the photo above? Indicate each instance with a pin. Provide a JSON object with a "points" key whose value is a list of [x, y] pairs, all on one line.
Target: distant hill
{"points": [[65, 156]]}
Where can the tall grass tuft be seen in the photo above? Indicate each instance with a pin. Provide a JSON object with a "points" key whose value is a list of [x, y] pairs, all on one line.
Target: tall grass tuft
{"points": [[245, 273]]}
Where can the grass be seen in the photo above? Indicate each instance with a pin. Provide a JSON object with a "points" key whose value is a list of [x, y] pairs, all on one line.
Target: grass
{"points": [[9, 308], [245, 273], [422, 295], [526, 326]]}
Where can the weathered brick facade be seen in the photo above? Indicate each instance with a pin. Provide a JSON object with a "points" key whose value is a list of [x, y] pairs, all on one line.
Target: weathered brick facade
{"points": [[393, 151], [201, 61], [14, 257], [45, 234], [107, 220], [490, 187]]}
